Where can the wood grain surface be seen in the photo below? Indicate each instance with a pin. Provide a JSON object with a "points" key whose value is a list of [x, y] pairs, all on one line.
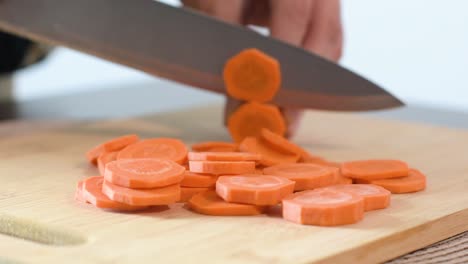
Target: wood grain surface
{"points": [[38, 173]]}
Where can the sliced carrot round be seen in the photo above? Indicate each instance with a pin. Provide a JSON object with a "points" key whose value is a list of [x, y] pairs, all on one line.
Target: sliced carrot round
{"points": [[374, 169], [144, 173], [375, 197], [222, 167], [281, 143], [323, 207], [339, 179], [252, 75], [249, 119], [79, 195], [256, 190], [105, 158], [307, 176], [414, 182], [188, 192], [115, 144], [142, 197], [209, 203], [268, 156], [192, 179], [92, 190], [214, 146], [223, 156], [159, 148]]}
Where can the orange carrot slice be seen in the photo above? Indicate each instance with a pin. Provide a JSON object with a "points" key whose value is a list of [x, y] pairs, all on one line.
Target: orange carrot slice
{"points": [[307, 176], [214, 146], [198, 180], [414, 182], [142, 197], [92, 190], [144, 173], [79, 195], [374, 169], [281, 143], [256, 190], [222, 167], [269, 156], [105, 158], [323, 207], [252, 75], [159, 148], [375, 197], [186, 193], [223, 156], [249, 119], [339, 178], [209, 203], [115, 144]]}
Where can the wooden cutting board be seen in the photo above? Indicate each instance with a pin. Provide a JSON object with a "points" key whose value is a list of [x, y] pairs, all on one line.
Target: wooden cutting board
{"points": [[38, 175]]}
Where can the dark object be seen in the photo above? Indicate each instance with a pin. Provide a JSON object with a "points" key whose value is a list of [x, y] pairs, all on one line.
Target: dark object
{"points": [[13, 50], [187, 47]]}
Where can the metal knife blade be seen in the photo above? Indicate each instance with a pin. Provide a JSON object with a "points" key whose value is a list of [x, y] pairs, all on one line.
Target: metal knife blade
{"points": [[187, 47]]}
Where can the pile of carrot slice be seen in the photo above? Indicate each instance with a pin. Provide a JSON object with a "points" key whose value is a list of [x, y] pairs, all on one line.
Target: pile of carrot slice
{"points": [[227, 179], [260, 170]]}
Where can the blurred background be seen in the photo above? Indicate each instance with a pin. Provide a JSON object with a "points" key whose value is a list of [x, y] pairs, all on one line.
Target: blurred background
{"points": [[416, 49]]}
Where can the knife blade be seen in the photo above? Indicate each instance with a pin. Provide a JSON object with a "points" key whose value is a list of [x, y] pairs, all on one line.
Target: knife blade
{"points": [[187, 47]]}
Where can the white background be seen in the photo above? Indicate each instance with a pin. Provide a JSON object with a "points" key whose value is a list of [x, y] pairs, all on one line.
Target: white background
{"points": [[417, 49]]}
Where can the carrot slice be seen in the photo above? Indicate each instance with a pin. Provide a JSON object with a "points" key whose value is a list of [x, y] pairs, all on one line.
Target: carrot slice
{"points": [[414, 182], [375, 197], [159, 148], [339, 178], [374, 169], [323, 207], [223, 156], [253, 189], [282, 144], [249, 119], [115, 144], [307, 176], [214, 146], [92, 190], [142, 197], [144, 173], [222, 167], [198, 180], [79, 195], [209, 203], [269, 156], [105, 158], [251, 75], [186, 193]]}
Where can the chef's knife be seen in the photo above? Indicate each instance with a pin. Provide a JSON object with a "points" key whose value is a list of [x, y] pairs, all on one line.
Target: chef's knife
{"points": [[186, 46]]}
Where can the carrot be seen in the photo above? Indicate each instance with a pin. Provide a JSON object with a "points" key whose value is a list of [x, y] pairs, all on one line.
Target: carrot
{"points": [[105, 158], [144, 173], [92, 190], [79, 195], [282, 144], [160, 148], [252, 75], [249, 119], [414, 182], [186, 193], [374, 169], [142, 197], [269, 156], [198, 180], [209, 203], [375, 197], [115, 144], [306, 176], [223, 156], [222, 167], [214, 146], [339, 178], [256, 190], [323, 207]]}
